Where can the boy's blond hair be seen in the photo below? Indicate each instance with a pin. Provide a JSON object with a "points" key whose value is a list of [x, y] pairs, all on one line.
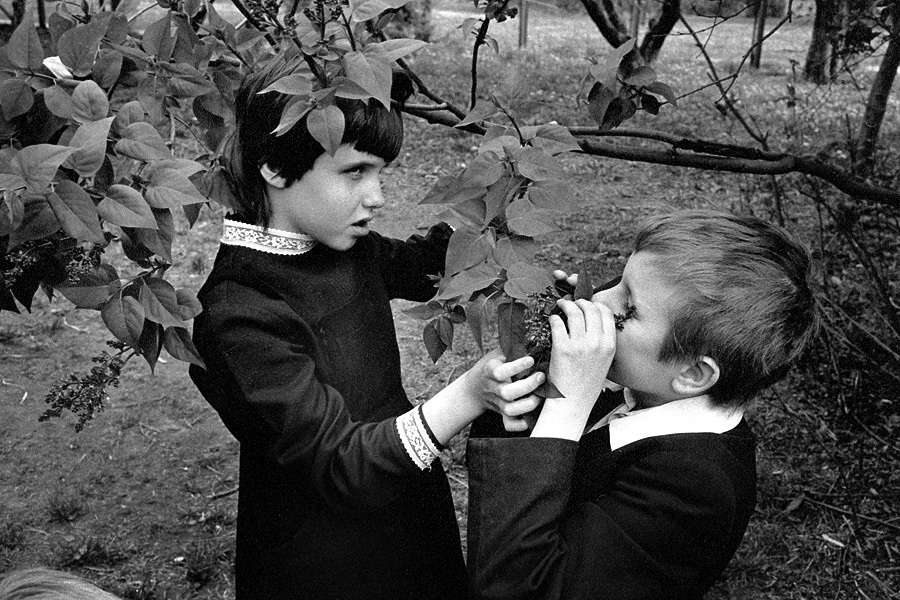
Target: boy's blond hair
{"points": [[744, 296], [47, 584]]}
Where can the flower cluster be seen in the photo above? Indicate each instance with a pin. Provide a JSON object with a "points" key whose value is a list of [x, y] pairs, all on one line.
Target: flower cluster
{"points": [[84, 395], [539, 308]]}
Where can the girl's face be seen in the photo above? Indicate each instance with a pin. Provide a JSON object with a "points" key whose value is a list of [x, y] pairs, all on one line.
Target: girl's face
{"points": [[334, 201], [646, 295]]}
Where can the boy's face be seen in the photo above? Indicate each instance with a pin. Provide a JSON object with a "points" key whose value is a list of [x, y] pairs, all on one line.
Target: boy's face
{"points": [[636, 364], [334, 201]]}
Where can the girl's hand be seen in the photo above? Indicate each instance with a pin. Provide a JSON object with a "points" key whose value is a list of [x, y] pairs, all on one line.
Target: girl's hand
{"points": [[583, 349], [499, 393]]}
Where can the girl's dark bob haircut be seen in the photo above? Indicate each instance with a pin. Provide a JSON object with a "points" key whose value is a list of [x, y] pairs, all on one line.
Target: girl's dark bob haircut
{"points": [[368, 126]]}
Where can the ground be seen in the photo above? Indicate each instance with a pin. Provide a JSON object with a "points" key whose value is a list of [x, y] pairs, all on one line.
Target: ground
{"points": [[143, 500]]}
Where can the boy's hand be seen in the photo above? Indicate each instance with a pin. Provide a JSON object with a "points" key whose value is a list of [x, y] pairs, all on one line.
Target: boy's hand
{"points": [[583, 349], [511, 399]]}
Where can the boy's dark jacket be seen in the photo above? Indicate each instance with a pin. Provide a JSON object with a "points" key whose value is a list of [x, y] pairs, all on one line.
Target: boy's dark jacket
{"points": [[656, 519], [304, 370]]}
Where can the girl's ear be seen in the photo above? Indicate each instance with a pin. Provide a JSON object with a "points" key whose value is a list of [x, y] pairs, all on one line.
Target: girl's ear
{"points": [[697, 377], [272, 178]]}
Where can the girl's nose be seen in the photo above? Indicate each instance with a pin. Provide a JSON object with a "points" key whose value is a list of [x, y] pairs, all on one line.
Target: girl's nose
{"points": [[374, 197]]}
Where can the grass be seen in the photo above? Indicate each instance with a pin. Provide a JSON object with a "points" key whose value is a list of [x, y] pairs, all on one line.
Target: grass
{"points": [[151, 482]]}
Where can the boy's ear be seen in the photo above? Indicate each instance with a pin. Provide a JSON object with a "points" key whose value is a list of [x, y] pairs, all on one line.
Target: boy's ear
{"points": [[273, 178], [696, 377]]}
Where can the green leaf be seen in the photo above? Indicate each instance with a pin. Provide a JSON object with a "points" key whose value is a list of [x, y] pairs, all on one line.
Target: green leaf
{"points": [[477, 310], [453, 189], [24, 47], [619, 111], [483, 110], [598, 101], [141, 141], [584, 289], [515, 249], [158, 40], [470, 280], [90, 102], [367, 9], [537, 165], [91, 297], [90, 139], [434, 344], [78, 47], [177, 342], [189, 306], [641, 76], [124, 317], [511, 330], [371, 73], [37, 164], [171, 189], [59, 102], [552, 194], [126, 207], [160, 302], [16, 98], [295, 109], [650, 104], [445, 330], [12, 212], [326, 125], [158, 241], [295, 85], [391, 50], [484, 170], [107, 68], [523, 279], [554, 139], [425, 312], [38, 221], [663, 90], [150, 343], [524, 218], [128, 113], [76, 212], [467, 248], [606, 74]]}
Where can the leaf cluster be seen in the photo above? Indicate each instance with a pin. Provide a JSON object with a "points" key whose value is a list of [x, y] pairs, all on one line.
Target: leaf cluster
{"points": [[621, 85]]}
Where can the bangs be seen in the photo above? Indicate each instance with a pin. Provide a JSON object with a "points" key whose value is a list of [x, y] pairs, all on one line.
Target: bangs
{"points": [[373, 129]]}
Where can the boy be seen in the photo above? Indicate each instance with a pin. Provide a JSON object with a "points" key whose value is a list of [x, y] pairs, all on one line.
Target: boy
{"points": [[339, 497], [652, 499]]}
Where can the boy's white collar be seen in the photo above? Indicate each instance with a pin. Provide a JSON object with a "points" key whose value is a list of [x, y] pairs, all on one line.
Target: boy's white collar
{"points": [[269, 240], [690, 415]]}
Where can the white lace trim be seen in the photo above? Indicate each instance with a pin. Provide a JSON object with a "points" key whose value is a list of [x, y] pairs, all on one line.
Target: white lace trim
{"points": [[415, 439], [273, 241]]}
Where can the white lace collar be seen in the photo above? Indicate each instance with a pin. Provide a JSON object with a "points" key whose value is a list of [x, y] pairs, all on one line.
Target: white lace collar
{"points": [[270, 240]]}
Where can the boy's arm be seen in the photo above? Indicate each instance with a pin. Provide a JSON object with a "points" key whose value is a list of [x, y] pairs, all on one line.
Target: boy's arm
{"points": [[583, 349]]}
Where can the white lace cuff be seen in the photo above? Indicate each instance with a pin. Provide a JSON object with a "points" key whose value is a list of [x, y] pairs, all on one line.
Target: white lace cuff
{"points": [[414, 436]]}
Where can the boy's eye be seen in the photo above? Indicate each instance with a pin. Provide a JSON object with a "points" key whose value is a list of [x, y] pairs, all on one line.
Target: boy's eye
{"points": [[622, 317]]}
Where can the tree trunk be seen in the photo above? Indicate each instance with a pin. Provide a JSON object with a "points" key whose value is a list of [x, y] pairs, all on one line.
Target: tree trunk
{"points": [[759, 30], [867, 139], [660, 27], [605, 16], [821, 47]]}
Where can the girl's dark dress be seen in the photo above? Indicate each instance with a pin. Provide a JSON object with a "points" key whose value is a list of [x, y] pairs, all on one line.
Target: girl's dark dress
{"points": [[304, 370]]}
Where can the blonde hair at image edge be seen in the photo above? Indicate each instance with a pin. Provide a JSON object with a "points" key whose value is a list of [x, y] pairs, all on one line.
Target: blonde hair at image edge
{"points": [[47, 584]]}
